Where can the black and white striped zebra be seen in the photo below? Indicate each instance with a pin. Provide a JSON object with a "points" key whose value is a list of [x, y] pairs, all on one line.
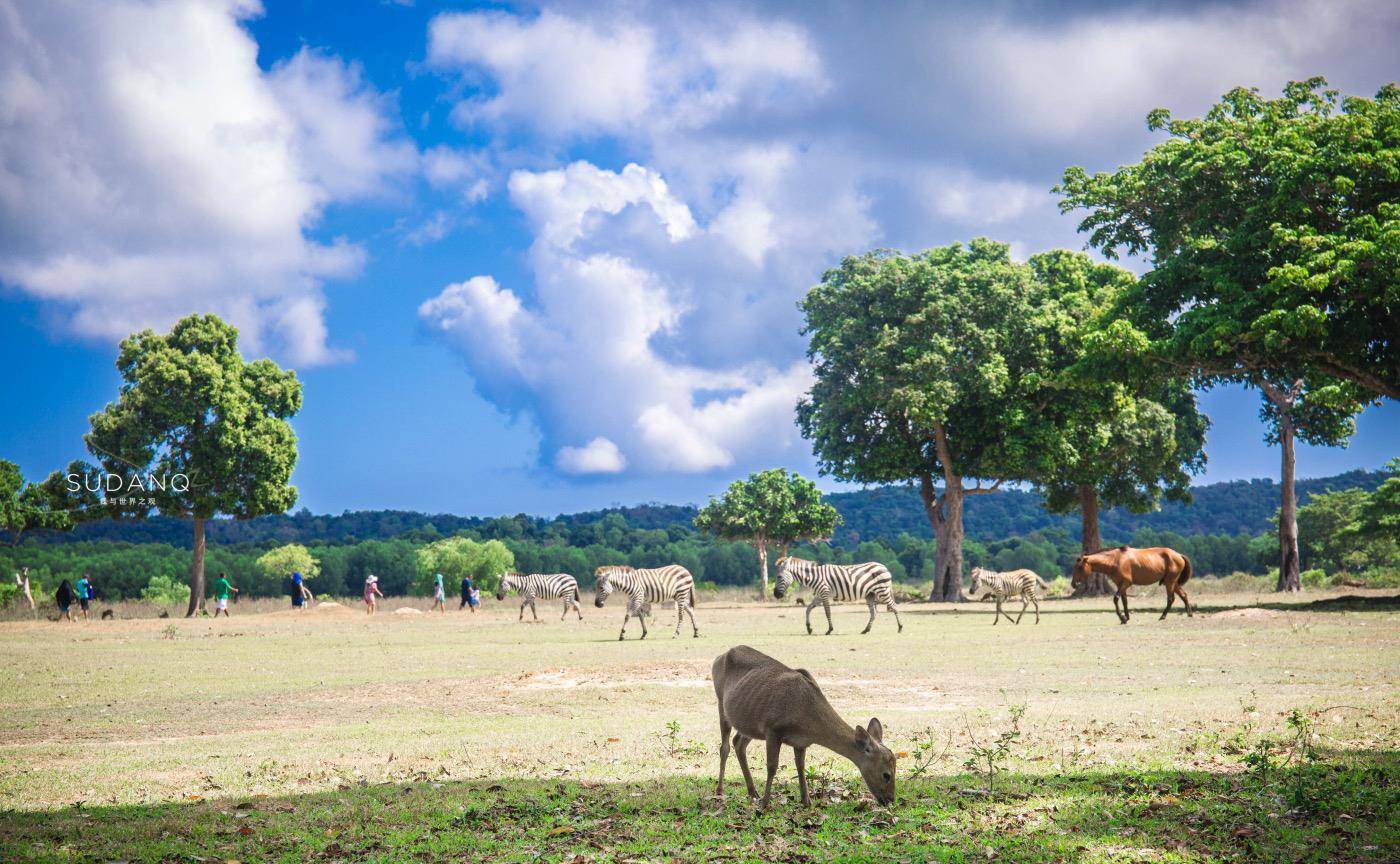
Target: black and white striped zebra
{"points": [[544, 586], [645, 587], [1015, 583], [870, 582]]}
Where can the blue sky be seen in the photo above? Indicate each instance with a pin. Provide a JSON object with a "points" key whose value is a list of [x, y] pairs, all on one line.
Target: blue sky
{"points": [[543, 259]]}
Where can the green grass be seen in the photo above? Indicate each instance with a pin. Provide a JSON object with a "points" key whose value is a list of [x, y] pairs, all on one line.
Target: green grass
{"points": [[332, 736]]}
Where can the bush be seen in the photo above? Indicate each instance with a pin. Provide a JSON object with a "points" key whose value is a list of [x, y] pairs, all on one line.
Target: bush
{"points": [[165, 591], [1060, 586], [1315, 578]]}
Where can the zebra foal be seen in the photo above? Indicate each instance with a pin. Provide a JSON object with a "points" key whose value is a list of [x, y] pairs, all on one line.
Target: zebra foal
{"points": [[545, 586], [1016, 583], [870, 582], [645, 587]]}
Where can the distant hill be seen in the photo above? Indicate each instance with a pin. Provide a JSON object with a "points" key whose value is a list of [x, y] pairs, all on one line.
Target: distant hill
{"points": [[883, 513]]}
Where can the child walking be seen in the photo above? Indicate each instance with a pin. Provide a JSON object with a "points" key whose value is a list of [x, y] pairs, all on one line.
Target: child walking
{"points": [[439, 595]]}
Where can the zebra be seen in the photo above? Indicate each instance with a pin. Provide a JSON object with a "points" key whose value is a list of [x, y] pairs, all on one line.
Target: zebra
{"points": [[1022, 583], [543, 585], [645, 587], [870, 582]]}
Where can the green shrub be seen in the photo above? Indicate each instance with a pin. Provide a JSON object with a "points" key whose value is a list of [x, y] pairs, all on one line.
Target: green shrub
{"points": [[9, 593], [1315, 578], [165, 591], [1060, 586]]}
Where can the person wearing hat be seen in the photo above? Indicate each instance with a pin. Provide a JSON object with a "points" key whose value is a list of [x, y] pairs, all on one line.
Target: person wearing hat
{"points": [[371, 592], [300, 593]]}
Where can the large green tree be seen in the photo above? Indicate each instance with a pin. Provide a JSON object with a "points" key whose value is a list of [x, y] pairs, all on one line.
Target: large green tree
{"points": [[283, 561], [1273, 227], [1126, 438], [197, 431], [928, 368], [771, 506]]}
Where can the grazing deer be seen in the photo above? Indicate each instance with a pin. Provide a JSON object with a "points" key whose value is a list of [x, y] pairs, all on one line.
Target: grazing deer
{"points": [[761, 699]]}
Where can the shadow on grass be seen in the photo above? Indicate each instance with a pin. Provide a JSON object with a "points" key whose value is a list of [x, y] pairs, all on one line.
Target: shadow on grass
{"points": [[1342, 809], [1152, 603]]}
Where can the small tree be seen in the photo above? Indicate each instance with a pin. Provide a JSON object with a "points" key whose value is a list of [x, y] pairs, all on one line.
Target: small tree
{"points": [[285, 560], [769, 507], [456, 557], [198, 431]]}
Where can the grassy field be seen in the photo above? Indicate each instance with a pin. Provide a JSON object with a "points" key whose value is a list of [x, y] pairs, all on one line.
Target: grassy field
{"points": [[1242, 734]]}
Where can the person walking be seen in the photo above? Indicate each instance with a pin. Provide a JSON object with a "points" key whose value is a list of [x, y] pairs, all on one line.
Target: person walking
{"points": [[301, 595], [439, 595], [222, 589], [85, 594], [64, 598], [22, 580], [371, 592], [469, 595]]}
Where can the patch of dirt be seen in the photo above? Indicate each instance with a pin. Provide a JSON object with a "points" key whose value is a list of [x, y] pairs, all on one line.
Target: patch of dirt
{"points": [[1249, 613], [408, 610]]}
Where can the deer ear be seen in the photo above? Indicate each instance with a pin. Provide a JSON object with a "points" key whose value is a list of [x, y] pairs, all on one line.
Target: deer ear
{"points": [[861, 737], [877, 731]]}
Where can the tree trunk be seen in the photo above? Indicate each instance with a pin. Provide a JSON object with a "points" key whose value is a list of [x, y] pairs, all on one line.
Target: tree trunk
{"points": [[1091, 541], [945, 514], [197, 570], [763, 566], [1289, 578]]}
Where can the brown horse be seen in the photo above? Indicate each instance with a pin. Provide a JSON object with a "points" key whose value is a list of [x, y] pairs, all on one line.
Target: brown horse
{"points": [[1127, 566]]}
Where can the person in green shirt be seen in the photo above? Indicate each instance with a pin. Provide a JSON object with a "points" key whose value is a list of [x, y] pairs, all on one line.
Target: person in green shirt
{"points": [[222, 589]]}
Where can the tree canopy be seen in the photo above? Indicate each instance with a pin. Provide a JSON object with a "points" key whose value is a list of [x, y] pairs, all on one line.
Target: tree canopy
{"points": [[198, 430], [285, 560], [1124, 439], [1274, 232]]}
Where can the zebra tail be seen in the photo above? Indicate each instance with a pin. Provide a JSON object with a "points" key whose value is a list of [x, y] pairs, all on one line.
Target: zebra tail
{"points": [[693, 595], [1044, 586]]}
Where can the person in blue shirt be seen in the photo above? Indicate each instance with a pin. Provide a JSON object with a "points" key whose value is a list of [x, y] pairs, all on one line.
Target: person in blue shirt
{"points": [[85, 594], [469, 595], [300, 593]]}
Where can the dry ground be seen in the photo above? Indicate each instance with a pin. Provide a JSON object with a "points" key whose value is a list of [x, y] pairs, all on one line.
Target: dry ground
{"points": [[122, 712]]}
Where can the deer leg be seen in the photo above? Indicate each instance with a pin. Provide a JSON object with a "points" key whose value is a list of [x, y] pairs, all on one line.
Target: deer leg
{"points": [[775, 749], [869, 601], [810, 607], [826, 604], [799, 755], [741, 755], [724, 728]]}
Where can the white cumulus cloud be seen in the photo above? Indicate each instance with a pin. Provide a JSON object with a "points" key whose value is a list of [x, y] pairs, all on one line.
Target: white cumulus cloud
{"points": [[149, 168]]}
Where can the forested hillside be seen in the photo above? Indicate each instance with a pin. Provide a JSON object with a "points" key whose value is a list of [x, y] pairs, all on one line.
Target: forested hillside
{"points": [[1221, 532], [1238, 507]]}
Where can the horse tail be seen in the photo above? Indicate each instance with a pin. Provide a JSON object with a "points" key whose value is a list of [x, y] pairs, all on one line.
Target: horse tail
{"points": [[1185, 571]]}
